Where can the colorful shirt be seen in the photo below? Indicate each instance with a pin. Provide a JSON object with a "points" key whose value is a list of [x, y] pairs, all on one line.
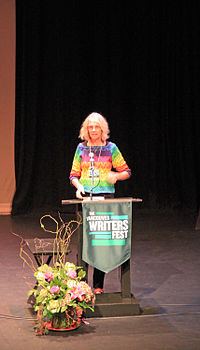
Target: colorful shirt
{"points": [[105, 158]]}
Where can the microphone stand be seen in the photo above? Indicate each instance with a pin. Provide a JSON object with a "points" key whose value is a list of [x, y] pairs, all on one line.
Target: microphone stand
{"points": [[92, 169]]}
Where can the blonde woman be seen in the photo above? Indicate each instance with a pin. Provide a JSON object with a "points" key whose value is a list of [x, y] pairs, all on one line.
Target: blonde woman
{"points": [[97, 166]]}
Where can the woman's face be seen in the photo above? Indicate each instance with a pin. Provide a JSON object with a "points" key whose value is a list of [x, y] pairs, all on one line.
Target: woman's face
{"points": [[94, 131]]}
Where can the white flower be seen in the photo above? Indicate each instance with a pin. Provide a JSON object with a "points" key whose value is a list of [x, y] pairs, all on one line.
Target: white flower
{"points": [[40, 276], [71, 283], [70, 266], [53, 306]]}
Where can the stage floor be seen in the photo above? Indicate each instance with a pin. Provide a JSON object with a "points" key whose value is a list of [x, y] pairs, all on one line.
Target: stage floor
{"points": [[165, 279]]}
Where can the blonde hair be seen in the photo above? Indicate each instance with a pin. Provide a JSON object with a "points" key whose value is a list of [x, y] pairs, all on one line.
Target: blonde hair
{"points": [[84, 135]]}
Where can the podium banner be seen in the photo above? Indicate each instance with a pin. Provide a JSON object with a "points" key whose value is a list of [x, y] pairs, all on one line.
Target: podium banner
{"points": [[107, 229]]}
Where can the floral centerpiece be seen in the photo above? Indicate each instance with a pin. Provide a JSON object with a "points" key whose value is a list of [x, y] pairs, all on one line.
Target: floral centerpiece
{"points": [[61, 295]]}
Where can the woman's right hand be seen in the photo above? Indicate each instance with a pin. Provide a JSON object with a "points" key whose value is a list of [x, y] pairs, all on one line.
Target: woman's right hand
{"points": [[80, 191]]}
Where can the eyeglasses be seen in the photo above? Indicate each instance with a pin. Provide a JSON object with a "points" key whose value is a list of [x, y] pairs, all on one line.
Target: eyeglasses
{"points": [[94, 127]]}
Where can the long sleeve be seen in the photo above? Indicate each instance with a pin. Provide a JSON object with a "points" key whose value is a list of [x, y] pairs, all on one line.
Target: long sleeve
{"points": [[118, 162], [76, 165]]}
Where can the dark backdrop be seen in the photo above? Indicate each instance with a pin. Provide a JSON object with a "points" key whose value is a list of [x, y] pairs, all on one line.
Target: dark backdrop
{"points": [[137, 65]]}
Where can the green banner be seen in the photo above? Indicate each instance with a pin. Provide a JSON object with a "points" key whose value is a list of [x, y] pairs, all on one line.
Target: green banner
{"points": [[107, 229]]}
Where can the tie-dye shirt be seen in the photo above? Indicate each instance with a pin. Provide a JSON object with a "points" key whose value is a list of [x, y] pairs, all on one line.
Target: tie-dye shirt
{"points": [[105, 159]]}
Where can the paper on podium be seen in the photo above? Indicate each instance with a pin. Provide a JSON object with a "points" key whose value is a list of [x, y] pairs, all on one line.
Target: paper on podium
{"points": [[97, 198]]}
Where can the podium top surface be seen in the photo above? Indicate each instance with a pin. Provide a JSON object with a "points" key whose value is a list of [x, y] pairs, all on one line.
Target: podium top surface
{"points": [[95, 200]]}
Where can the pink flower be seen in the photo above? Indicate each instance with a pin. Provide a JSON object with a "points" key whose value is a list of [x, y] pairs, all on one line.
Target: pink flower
{"points": [[87, 290], [55, 289], [72, 274], [48, 276], [77, 292]]}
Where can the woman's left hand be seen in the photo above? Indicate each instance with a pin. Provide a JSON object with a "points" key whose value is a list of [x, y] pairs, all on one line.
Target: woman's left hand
{"points": [[112, 177]]}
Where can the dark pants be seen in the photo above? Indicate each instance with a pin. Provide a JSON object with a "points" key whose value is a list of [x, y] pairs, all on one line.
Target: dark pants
{"points": [[98, 278]]}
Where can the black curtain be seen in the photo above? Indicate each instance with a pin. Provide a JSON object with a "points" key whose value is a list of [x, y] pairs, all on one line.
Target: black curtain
{"points": [[137, 65]]}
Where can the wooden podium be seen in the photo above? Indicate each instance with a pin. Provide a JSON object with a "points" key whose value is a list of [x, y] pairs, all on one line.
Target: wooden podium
{"points": [[108, 304]]}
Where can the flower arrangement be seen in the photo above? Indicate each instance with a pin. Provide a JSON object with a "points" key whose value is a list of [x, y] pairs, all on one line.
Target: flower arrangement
{"points": [[61, 295]]}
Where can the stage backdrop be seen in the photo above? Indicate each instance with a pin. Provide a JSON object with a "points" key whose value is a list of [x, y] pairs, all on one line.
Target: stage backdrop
{"points": [[7, 104], [137, 65]]}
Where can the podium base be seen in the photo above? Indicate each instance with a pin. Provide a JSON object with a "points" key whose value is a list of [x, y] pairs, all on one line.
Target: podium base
{"points": [[113, 305]]}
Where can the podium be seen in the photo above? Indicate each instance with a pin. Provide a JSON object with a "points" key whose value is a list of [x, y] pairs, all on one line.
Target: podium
{"points": [[108, 304]]}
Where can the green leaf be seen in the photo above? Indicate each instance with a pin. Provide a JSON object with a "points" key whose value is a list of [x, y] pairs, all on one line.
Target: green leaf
{"points": [[54, 282], [44, 312], [51, 283], [81, 303], [39, 299], [36, 292], [64, 308], [63, 285], [30, 292], [62, 274], [49, 314], [81, 274], [90, 307]]}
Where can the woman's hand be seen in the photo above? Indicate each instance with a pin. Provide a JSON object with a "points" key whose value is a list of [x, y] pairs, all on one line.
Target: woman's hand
{"points": [[79, 188], [112, 177], [80, 191]]}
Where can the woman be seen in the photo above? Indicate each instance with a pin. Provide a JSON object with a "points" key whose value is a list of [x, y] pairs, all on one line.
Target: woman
{"points": [[92, 166]]}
